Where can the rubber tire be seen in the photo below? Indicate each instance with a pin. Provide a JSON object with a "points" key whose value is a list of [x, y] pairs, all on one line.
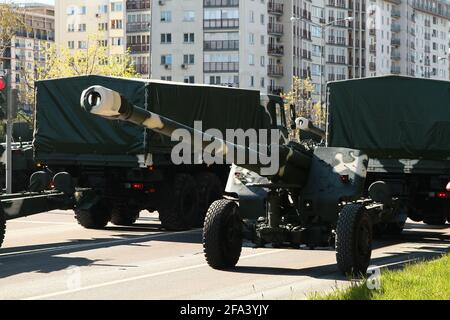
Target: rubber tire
{"points": [[172, 214], [434, 221], [95, 218], [351, 219], [121, 216], [210, 189], [2, 226], [220, 253]]}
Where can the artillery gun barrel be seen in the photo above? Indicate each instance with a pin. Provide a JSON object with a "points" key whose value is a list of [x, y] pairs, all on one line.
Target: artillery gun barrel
{"points": [[306, 125], [110, 104]]}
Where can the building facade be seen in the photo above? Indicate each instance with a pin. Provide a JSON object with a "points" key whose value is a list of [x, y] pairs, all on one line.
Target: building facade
{"points": [[117, 24], [256, 43], [25, 53]]}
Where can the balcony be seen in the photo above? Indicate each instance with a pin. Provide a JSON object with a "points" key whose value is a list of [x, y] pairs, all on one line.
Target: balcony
{"points": [[138, 27], [395, 41], [275, 29], [275, 70], [395, 27], [221, 45], [275, 8], [395, 13], [221, 67], [395, 55], [141, 68], [275, 50], [221, 24], [395, 70], [372, 31], [336, 4], [306, 15], [372, 66], [220, 3], [138, 5], [139, 48], [275, 90], [373, 49]]}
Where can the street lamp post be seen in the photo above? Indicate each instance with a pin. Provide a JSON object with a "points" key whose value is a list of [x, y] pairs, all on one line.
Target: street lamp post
{"points": [[323, 27]]}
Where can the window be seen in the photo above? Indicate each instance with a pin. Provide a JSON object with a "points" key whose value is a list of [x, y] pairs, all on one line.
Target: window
{"points": [[71, 44], [188, 38], [166, 59], [102, 9], [189, 16], [252, 81], [189, 79], [117, 41], [188, 59], [166, 16], [166, 78], [82, 10], [70, 11], [116, 24], [82, 27], [166, 38], [82, 45], [71, 27], [251, 59], [103, 26], [116, 6]]}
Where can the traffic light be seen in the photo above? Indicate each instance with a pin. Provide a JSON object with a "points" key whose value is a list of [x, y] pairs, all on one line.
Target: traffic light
{"points": [[3, 97]]}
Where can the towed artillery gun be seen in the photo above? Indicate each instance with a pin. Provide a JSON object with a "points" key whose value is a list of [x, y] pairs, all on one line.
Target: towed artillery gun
{"points": [[314, 199]]}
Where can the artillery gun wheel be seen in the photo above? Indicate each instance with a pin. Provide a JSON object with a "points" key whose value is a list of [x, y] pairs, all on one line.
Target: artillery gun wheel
{"points": [[210, 189], [96, 217], [124, 216], [353, 239], [222, 234], [2, 226], [180, 203]]}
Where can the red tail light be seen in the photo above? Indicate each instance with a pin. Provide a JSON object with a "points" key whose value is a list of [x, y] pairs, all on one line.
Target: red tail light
{"points": [[137, 186], [443, 195]]}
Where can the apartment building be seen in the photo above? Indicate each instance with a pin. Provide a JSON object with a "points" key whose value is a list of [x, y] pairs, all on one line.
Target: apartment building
{"points": [[118, 24], [256, 43], [221, 42], [25, 51], [409, 37]]}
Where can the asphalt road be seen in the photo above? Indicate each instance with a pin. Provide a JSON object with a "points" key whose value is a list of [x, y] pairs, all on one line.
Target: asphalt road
{"points": [[49, 256]]}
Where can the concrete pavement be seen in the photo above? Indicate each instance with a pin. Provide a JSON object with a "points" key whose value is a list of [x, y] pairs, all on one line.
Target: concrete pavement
{"points": [[49, 256]]}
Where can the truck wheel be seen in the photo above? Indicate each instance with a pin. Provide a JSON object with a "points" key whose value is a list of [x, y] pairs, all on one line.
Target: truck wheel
{"points": [[353, 239], [2, 226], [96, 217], [222, 234], [123, 216], [180, 205], [434, 220], [210, 189]]}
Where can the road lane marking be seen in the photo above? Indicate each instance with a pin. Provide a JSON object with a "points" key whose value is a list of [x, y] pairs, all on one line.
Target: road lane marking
{"points": [[42, 222], [95, 244], [145, 276]]}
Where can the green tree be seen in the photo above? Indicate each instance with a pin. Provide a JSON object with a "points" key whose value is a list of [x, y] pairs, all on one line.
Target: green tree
{"points": [[58, 61]]}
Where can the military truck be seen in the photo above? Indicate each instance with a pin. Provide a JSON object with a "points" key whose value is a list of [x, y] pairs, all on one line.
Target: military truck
{"points": [[403, 124], [130, 167], [22, 157]]}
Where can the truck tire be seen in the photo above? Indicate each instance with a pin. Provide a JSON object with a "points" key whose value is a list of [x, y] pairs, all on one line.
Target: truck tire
{"points": [[434, 220], [179, 208], [353, 240], [96, 217], [2, 226], [124, 216], [210, 189], [222, 234]]}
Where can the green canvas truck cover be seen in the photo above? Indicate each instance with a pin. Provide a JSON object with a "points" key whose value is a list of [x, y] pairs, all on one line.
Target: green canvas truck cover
{"points": [[391, 117], [63, 131]]}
